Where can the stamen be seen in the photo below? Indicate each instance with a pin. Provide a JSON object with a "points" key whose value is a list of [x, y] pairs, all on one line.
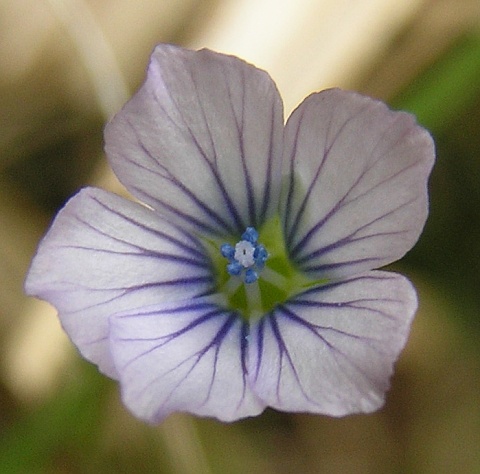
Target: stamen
{"points": [[255, 278], [250, 235], [251, 275], [227, 251], [275, 278], [234, 268], [247, 258], [260, 255], [254, 299], [231, 286]]}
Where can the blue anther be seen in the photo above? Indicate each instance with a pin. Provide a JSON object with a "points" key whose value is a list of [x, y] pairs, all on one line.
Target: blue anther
{"points": [[260, 255], [227, 251], [251, 275], [250, 235], [234, 268]]}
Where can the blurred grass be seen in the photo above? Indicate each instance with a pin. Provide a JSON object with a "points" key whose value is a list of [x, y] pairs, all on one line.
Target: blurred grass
{"points": [[431, 422], [67, 425], [441, 94], [446, 100]]}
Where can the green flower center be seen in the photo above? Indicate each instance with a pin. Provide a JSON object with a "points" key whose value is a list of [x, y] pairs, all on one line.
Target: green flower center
{"points": [[254, 273]]}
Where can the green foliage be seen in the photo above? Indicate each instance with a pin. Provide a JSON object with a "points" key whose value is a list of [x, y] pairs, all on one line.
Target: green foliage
{"points": [[443, 91]]}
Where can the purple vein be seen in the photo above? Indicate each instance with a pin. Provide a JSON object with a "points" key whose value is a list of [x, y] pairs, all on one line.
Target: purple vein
{"points": [[325, 267], [206, 160], [216, 342], [157, 233], [164, 340], [345, 282], [269, 177], [143, 286], [344, 201], [142, 254], [213, 166], [168, 176], [243, 354], [314, 327], [240, 124], [326, 154], [335, 350], [291, 188], [260, 337], [359, 304], [283, 351], [345, 241]]}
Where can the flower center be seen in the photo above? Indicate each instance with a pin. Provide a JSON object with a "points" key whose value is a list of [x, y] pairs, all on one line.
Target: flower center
{"points": [[247, 258], [252, 280]]}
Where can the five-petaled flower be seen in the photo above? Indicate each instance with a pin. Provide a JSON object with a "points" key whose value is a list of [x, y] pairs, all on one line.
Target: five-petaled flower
{"points": [[244, 277]]}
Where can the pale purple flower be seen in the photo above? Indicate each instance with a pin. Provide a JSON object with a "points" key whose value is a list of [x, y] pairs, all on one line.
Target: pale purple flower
{"points": [[245, 279]]}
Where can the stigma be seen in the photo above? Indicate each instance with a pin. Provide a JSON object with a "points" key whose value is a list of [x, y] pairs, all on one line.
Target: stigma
{"points": [[247, 258]]}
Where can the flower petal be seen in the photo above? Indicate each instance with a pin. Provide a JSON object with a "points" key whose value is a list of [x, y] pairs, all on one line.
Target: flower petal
{"points": [[104, 254], [356, 188], [188, 357], [331, 350], [201, 140]]}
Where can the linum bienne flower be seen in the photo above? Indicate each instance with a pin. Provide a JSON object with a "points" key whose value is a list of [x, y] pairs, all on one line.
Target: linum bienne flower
{"points": [[242, 276]]}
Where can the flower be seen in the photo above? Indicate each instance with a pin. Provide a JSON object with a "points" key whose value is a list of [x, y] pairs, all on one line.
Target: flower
{"points": [[244, 277]]}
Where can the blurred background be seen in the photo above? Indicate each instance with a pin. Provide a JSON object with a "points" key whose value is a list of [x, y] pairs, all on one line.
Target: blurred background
{"points": [[68, 65]]}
